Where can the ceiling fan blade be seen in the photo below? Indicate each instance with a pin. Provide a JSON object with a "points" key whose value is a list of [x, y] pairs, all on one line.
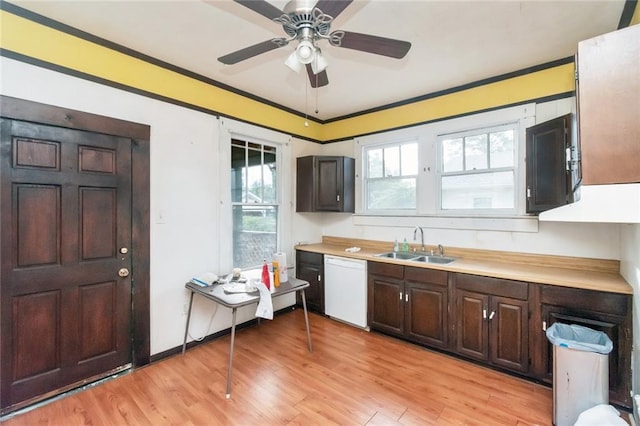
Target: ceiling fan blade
{"points": [[262, 7], [317, 80], [333, 8], [370, 43], [251, 51]]}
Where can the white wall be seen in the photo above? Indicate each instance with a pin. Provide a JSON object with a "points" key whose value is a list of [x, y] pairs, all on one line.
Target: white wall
{"points": [[564, 239], [185, 194], [185, 201]]}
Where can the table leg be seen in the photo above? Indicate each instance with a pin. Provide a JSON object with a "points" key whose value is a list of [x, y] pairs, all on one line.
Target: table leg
{"points": [[186, 329], [233, 337], [306, 319]]}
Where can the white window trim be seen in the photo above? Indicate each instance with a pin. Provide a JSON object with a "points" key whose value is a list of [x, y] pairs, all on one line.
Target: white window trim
{"points": [[393, 143], [393, 138], [232, 129], [518, 186], [427, 214]]}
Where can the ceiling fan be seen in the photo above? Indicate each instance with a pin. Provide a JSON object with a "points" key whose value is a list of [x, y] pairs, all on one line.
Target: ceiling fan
{"points": [[308, 24]]}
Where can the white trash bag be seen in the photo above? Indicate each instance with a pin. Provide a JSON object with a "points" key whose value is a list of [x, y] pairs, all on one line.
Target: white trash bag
{"points": [[600, 415]]}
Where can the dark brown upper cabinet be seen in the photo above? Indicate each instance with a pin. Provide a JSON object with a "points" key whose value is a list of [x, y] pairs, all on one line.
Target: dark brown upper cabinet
{"points": [[608, 85], [551, 164], [325, 184]]}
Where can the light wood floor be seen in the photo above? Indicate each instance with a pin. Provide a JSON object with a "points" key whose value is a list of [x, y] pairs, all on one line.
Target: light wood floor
{"points": [[351, 378]]}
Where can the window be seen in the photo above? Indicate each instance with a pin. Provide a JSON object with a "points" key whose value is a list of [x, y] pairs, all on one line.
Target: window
{"points": [[390, 176], [477, 170], [254, 199]]}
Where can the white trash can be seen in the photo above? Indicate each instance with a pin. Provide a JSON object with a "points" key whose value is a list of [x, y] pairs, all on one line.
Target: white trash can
{"points": [[580, 370]]}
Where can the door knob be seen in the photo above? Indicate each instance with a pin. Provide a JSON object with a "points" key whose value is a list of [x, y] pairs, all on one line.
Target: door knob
{"points": [[123, 272]]}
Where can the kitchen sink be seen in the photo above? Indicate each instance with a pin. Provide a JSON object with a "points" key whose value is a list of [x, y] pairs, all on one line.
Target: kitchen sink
{"points": [[443, 260], [417, 257], [398, 255]]}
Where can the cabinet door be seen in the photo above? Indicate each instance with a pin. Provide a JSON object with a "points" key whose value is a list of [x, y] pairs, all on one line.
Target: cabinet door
{"points": [[549, 168], [472, 329], [328, 183], [608, 93], [310, 267], [509, 331], [386, 306], [426, 313]]}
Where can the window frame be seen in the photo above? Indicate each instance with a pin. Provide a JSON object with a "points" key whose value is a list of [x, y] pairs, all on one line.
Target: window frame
{"points": [[246, 145], [229, 129], [365, 171], [440, 173]]}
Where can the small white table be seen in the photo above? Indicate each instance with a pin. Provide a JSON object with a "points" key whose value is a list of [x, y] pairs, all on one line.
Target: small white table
{"points": [[234, 301]]}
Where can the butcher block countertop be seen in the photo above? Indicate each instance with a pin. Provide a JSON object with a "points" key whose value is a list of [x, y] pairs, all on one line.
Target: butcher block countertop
{"points": [[575, 272]]}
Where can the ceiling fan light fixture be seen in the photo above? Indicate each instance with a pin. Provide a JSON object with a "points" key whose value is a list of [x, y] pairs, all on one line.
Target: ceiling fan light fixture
{"points": [[319, 63], [305, 52], [293, 63]]}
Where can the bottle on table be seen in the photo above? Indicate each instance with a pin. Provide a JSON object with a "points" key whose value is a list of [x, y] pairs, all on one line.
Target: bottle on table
{"points": [[276, 274], [265, 274]]}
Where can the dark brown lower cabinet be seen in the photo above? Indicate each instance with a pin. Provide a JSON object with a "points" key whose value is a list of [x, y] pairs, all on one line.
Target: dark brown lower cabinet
{"points": [[426, 306], [310, 267], [495, 321], [492, 321], [385, 289], [409, 302], [601, 311]]}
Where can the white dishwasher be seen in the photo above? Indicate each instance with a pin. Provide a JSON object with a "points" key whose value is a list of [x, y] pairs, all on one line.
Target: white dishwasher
{"points": [[345, 289]]}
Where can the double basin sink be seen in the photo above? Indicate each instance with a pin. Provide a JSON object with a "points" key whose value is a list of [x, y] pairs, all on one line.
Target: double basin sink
{"points": [[416, 257]]}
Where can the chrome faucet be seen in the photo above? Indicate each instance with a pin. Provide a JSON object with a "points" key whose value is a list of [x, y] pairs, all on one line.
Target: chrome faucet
{"points": [[440, 250], [415, 231]]}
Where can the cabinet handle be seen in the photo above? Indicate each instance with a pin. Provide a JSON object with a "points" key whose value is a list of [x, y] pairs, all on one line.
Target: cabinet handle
{"points": [[544, 326], [319, 277], [406, 297], [401, 296], [528, 192], [338, 198], [491, 315], [484, 314]]}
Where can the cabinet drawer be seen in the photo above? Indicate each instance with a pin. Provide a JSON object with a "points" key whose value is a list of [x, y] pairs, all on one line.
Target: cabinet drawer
{"points": [[495, 286], [591, 300], [387, 269], [432, 276], [309, 257]]}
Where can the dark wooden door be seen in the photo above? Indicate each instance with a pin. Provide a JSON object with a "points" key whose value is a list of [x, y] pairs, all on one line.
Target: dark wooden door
{"points": [[310, 267], [65, 222], [549, 168], [387, 309], [472, 328], [328, 183], [426, 313], [509, 331]]}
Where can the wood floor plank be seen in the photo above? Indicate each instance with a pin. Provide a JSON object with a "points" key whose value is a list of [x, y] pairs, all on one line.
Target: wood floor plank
{"points": [[352, 377]]}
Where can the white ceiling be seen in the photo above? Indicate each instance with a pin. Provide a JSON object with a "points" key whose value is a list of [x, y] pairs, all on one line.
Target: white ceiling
{"points": [[453, 43]]}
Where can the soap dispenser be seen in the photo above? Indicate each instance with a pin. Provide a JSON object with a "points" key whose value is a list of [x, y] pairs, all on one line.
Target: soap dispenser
{"points": [[395, 245], [405, 245]]}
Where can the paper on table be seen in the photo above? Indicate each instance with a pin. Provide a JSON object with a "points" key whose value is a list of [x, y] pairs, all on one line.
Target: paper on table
{"points": [[265, 306]]}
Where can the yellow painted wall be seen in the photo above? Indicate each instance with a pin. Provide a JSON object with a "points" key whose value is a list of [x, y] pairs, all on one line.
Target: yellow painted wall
{"points": [[23, 36]]}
